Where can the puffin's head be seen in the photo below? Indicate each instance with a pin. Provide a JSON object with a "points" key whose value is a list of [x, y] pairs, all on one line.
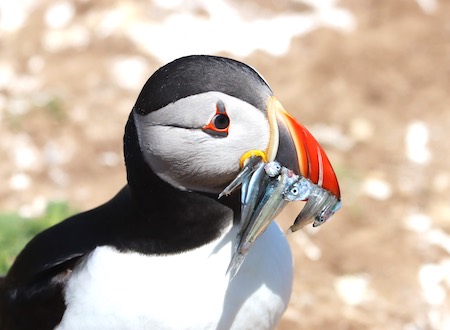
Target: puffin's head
{"points": [[198, 115]]}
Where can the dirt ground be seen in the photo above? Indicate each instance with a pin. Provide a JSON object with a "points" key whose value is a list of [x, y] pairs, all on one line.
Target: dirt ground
{"points": [[376, 96]]}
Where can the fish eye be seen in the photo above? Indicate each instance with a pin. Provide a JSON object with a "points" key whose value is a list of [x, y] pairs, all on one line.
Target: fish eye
{"points": [[294, 191], [272, 169]]}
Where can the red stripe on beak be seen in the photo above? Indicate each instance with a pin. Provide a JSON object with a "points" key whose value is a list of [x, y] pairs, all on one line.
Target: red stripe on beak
{"points": [[300, 151]]}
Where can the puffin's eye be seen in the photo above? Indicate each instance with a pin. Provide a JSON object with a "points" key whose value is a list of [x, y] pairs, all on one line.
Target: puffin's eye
{"points": [[219, 123]]}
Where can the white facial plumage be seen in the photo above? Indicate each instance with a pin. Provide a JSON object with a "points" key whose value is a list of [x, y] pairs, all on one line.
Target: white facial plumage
{"points": [[182, 154]]}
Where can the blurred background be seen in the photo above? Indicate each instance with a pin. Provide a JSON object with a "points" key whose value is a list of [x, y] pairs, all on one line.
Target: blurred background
{"points": [[369, 78]]}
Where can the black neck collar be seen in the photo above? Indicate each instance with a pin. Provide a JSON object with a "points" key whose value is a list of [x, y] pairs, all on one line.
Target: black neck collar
{"points": [[169, 219]]}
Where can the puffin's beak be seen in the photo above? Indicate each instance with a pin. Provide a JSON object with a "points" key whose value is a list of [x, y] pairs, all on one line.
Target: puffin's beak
{"points": [[294, 167], [298, 150]]}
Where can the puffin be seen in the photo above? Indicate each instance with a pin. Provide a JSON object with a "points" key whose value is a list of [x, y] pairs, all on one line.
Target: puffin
{"points": [[157, 254]]}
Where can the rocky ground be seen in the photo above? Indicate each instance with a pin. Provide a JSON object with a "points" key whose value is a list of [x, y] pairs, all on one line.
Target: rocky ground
{"points": [[369, 78]]}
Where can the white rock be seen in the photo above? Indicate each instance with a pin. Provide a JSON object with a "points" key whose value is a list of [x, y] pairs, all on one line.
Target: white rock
{"points": [[13, 14], [224, 28], [418, 222], [416, 141], [361, 129], [428, 6], [445, 264], [53, 41], [130, 72], [59, 14], [24, 84], [438, 237], [77, 36], [19, 182], [430, 278], [17, 106], [337, 18], [430, 275], [377, 188], [34, 209], [7, 75], [352, 289], [168, 4], [109, 22], [24, 153]]}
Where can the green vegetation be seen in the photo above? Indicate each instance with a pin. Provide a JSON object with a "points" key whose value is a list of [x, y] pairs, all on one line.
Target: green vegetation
{"points": [[55, 109], [16, 231]]}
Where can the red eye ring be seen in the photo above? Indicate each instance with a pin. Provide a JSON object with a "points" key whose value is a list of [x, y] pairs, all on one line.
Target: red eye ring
{"points": [[219, 123]]}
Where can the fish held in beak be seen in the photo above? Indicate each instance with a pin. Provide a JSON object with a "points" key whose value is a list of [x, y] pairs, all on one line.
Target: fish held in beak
{"points": [[293, 168]]}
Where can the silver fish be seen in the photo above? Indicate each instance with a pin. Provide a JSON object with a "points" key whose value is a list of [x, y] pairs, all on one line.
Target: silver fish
{"points": [[320, 206], [244, 175], [250, 194], [273, 169], [299, 190], [266, 188], [269, 204], [256, 188]]}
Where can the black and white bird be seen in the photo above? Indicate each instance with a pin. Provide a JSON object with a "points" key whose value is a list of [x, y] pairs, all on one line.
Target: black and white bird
{"points": [[156, 255]]}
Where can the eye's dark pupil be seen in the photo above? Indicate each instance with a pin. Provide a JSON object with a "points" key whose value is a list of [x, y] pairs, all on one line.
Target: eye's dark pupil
{"points": [[221, 121]]}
